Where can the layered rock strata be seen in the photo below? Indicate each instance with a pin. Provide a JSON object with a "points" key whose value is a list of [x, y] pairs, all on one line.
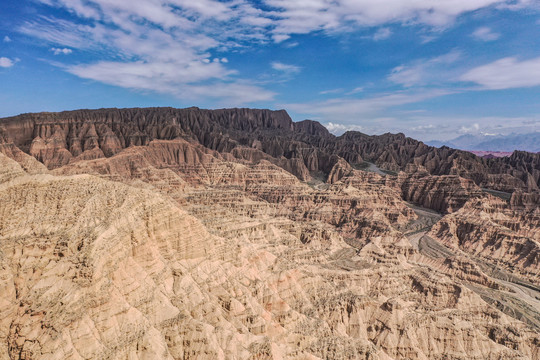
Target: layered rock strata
{"points": [[58, 138], [237, 234]]}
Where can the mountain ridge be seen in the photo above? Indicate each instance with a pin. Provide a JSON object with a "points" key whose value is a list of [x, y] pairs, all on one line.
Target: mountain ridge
{"points": [[502, 143], [301, 148]]}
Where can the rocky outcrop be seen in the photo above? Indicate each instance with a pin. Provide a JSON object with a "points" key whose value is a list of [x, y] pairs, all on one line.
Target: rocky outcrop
{"points": [[339, 170], [396, 152], [521, 200], [445, 194], [497, 232]]}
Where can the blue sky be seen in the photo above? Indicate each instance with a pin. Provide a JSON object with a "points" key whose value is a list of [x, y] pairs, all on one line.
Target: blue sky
{"points": [[433, 69]]}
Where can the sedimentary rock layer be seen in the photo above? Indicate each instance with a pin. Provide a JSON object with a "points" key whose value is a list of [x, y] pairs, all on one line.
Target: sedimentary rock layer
{"points": [[238, 234], [57, 139]]}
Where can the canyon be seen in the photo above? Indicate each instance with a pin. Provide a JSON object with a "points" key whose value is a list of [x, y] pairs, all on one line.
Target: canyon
{"points": [[162, 233]]}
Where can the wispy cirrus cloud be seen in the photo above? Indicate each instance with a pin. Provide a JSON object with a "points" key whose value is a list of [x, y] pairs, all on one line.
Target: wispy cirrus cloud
{"points": [[303, 17], [161, 46], [286, 68], [356, 90], [485, 33], [65, 33], [165, 77], [331, 91], [382, 34], [346, 108], [426, 71], [506, 73]]}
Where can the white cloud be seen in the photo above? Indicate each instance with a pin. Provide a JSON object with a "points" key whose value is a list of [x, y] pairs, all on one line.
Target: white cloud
{"points": [[485, 34], [291, 44], [7, 39], [331, 91], [169, 45], [346, 108], [302, 17], [338, 129], [382, 34], [408, 75], [429, 127], [6, 62], [64, 51], [144, 75], [506, 73], [380, 114], [469, 129], [424, 128], [286, 68], [424, 71], [280, 37], [63, 32], [356, 90], [167, 78], [246, 19], [426, 39], [519, 4]]}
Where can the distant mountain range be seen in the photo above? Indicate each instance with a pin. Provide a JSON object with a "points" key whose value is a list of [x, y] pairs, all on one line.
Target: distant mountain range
{"points": [[527, 142]]}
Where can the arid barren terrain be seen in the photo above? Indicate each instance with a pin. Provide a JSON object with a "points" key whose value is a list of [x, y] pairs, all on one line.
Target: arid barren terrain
{"points": [[166, 233]]}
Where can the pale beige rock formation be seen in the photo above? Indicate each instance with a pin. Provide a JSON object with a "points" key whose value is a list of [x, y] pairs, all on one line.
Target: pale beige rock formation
{"points": [[145, 243], [154, 266]]}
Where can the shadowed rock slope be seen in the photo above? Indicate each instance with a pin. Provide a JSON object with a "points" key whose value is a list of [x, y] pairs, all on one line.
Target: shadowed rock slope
{"points": [[57, 139]]}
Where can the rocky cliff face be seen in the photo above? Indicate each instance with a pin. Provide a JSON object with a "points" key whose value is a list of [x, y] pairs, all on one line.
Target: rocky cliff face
{"points": [[396, 152], [445, 194], [497, 232], [237, 234], [57, 139]]}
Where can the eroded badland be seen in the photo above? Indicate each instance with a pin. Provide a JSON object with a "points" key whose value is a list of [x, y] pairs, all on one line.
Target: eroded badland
{"points": [[237, 234]]}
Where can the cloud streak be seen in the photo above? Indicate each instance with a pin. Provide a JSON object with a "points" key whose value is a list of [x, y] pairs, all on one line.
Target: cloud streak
{"points": [[286, 68], [303, 17], [426, 71], [446, 127], [59, 51], [349, 109], [506, 73], [485, 34], [382, 34]]}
